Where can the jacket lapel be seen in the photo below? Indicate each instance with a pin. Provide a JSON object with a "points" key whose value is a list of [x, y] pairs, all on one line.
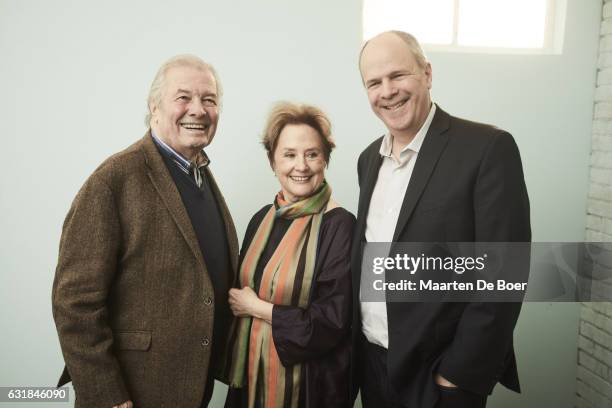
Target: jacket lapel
{"points": [[433, 145], [374, 161], [370, 175], [168, 192]]}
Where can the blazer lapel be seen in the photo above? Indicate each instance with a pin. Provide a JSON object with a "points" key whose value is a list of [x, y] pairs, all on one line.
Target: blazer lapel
{"points": [[370, 175], [367, 188], [433, 145], [163, 183]]}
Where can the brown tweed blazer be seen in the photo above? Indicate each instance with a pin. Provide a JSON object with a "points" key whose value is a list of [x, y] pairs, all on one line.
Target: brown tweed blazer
{"points": [[132, 299]]}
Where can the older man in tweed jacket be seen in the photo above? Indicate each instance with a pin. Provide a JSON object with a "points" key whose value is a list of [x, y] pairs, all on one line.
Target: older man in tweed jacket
{"points": [[147, 254]]}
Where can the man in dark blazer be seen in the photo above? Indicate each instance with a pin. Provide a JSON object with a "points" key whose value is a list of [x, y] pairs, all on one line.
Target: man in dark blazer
{"points": [[432, 178], [147, 255]]}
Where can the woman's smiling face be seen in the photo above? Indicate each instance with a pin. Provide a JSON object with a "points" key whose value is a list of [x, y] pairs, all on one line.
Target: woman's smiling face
{"points": [[298, 161]]}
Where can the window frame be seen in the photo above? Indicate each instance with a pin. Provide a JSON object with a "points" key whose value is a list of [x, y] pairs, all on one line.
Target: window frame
{"points": [[554, 28]]}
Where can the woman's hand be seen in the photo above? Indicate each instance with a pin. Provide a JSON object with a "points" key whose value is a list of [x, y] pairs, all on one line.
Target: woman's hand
{"points": [[245, 302], [242, 301]]}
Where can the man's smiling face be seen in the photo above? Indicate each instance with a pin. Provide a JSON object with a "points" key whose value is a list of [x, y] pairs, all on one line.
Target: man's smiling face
{"points": [[398, 88], [187, 113]]}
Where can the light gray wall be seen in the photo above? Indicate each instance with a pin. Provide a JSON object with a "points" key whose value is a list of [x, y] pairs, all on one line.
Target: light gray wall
{"points": [[73, 81]]}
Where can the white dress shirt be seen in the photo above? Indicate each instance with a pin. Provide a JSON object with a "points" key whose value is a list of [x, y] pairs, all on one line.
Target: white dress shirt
{"points": [[385, 205]]}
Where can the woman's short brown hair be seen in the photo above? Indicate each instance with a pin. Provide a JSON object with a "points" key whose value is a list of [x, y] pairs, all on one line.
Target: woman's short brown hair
{"points": [[288, 113]]}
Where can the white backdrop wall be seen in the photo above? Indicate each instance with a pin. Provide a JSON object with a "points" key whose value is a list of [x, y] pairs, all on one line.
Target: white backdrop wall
{"points": [[74, 77]]}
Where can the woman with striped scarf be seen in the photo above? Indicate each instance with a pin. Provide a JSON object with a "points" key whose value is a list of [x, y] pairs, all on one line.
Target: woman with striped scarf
{"points": [[290, 343]]}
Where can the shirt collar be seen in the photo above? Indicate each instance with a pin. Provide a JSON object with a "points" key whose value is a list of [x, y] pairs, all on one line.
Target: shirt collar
{"points": [[202, 159], [386, 146]]}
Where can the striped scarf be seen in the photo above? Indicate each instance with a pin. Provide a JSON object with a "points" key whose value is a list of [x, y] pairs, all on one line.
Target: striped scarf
{"points": [[283, 282]]}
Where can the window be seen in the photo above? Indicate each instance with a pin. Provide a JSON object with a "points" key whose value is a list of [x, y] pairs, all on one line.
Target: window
{"points": [[526, 26]]}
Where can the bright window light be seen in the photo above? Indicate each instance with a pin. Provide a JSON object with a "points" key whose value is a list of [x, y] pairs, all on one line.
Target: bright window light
{"points": [[530, 26], [514, 24], [430, 21]]}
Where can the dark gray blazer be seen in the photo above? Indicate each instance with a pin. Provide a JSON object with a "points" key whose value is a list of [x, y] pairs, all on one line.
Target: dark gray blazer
{"points": [[467, 186]]}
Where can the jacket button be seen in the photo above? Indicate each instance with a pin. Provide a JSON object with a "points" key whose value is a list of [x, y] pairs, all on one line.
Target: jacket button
{"points": [[205, 342], [208, 301]]}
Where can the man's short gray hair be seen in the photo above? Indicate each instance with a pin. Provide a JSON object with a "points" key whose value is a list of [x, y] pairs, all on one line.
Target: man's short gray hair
{"points": [[183, 60], [413, 45]]}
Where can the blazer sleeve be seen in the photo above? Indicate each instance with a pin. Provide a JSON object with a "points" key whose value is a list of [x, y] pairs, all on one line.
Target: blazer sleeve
{"points": [[304, 334], [86, 268], [476, 358]]}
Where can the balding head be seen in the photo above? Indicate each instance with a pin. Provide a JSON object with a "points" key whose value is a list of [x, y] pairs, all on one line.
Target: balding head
{"points": [[397, 78], [412, 46]]}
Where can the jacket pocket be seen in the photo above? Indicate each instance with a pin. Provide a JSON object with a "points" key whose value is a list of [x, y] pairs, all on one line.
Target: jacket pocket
{"points": [[430, 207], [132, 340]]}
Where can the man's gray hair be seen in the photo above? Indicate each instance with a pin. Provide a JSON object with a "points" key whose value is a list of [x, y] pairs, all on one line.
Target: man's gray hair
{"points": [[183, 60], [412, 43]]}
